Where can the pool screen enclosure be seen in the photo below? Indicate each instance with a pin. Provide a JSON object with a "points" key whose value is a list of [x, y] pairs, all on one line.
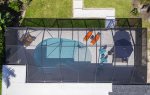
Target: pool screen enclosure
{"points": [[78, 50]]}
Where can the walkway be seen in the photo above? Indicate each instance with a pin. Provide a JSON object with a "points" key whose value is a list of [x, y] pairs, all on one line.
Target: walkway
{"points": [[80, 12]]}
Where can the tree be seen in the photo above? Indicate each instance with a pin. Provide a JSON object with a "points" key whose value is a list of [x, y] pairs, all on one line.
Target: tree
{"points": [[5, 19], [135, 5], [142, 8], [145, 9]]}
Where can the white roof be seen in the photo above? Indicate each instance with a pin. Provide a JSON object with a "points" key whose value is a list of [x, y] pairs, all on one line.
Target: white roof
{"points": [[19, 87]]}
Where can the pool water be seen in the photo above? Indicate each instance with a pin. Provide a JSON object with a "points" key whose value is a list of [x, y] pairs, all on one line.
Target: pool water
{"points": [[54, 49]]}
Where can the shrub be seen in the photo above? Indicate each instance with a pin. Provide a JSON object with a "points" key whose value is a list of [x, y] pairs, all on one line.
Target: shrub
{"points": [[15, 5], [5, 20]]}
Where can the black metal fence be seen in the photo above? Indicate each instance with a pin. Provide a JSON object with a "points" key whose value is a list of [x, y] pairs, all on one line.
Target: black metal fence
{"points": [[81, 72], [82, 23]]}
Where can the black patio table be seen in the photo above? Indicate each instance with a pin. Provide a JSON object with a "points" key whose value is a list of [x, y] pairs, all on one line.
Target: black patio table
{"points": [[123, 48]]}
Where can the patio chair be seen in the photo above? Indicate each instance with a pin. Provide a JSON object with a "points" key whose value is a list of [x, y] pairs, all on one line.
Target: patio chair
{"points": [[27, 39], [87, 36]]}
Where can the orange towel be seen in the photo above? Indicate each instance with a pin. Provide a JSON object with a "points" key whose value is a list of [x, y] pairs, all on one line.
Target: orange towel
{"points": [[87, 36]]}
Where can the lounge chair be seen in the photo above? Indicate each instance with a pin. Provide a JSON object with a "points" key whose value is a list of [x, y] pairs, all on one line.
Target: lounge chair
{"points": [[27, 39]]}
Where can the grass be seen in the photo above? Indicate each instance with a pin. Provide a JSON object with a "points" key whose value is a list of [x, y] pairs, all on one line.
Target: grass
{"points": [[49, 9], [63, 8], [122, 7]]}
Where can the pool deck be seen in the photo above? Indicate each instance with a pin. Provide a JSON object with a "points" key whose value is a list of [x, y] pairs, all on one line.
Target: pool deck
{"points": [[78, 35]]}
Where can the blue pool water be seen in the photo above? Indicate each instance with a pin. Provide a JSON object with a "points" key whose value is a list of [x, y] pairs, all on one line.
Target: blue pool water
{"points": [[56, 48]]}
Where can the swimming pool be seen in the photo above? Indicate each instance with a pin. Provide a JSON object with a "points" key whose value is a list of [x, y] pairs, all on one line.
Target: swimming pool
{"points": [[59, 49]]}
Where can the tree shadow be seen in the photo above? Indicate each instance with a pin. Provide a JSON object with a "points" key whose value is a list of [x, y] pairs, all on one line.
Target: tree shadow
{"points": [[7, 74]]}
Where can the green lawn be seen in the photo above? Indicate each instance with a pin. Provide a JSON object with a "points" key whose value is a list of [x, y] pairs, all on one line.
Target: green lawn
{"points": [[63, 8], [49, 9], [122, 7]]}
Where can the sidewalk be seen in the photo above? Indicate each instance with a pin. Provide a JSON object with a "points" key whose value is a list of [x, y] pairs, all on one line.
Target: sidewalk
{"points": [[80, 12]]}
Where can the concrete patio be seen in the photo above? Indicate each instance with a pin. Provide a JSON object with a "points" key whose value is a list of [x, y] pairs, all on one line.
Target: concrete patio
{"points": [[78, 35]]}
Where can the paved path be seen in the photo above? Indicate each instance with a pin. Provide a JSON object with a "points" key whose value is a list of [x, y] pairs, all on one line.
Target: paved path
{"points": [[80, 12]]}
